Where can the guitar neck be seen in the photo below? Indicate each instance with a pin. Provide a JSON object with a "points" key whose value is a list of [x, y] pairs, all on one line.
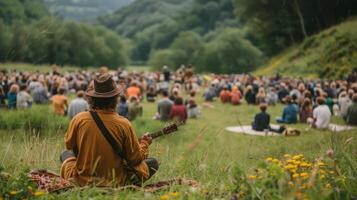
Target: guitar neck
{"points": [[157, 134]]}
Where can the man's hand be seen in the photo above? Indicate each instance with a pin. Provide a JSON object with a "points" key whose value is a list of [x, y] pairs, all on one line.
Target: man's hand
{"points": [[146, 137]]}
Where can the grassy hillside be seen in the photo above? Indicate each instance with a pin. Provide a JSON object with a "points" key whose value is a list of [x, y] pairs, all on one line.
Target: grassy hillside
{"points": [[331, 53]]}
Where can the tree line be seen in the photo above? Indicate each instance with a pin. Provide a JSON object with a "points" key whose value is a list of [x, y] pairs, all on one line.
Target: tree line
{"points": [[41, 38]]}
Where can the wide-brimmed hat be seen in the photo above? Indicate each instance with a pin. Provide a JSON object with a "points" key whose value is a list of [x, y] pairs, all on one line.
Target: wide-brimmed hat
{"points": [[103, 86]]}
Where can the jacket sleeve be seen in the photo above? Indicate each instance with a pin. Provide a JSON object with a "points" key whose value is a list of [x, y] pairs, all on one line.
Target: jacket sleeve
{"points": [[135, 152]]}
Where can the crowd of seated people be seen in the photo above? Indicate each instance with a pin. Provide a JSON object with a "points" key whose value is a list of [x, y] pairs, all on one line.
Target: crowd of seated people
{"points": [[302, 99]]}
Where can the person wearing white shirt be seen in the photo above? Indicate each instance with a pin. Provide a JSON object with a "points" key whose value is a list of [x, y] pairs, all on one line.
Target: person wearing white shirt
{"points": [[321, 115]]}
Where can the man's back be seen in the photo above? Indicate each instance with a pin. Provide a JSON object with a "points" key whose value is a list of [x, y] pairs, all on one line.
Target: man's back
{"points": [[261, 121], [352, 114], [290, 113], [96, 161], [322, 115], [164, 108], [76, 106]]}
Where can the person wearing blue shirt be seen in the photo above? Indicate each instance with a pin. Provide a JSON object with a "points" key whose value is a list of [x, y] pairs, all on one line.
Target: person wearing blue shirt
{"points": [[290, 112], [123, 108]]}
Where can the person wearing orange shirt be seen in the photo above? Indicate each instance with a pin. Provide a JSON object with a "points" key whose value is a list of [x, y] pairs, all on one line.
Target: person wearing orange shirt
{"points": [[225, 95], [93, 159], [133, 90], [60, 102]]}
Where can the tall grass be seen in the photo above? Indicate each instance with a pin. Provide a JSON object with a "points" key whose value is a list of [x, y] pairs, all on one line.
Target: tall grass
{"points": [[39, 119], [200, 150]]}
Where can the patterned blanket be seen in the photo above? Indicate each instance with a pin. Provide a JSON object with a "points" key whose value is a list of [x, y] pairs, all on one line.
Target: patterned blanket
{"points": [[52, 183]]}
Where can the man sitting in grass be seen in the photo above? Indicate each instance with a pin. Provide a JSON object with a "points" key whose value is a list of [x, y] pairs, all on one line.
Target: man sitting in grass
{"points": [[321, 115], [351, 117], [262, 121], [102, 148], [290, 112]]}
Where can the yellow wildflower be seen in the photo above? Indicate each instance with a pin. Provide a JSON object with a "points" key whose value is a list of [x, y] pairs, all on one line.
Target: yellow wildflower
{"points": [[297, 162], [252, 177], [322, 177], [287, 155], [295, 175], [322, 171], [288, 167], [164, 197], [304, 175], [174, 194], [290, 161], [291, 184], [331, 172], [276, 161], [13, 192], [297, 157], [320, 163], [269, 159], [328, 185], [304, 164], [38, 193]]}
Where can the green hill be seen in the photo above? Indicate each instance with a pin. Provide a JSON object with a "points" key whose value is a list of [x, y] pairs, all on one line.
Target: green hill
{"points": [[331, 54]]}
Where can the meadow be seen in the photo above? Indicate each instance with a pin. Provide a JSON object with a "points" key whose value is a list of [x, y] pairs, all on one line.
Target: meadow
{"points": [[201, 150]]}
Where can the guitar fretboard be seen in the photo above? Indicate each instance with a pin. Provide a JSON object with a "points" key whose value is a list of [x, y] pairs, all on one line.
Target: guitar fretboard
{"points": [[157, 134]]}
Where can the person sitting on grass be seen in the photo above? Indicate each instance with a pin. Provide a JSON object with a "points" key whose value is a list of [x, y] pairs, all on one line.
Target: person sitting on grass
{"points": [[60, 102], [351, 117], [290, 112], [235, 95], [77, 105], [178, 110], [2, 98], [123, 108], [23, 98], [135, 110], [12, 96], [305, 111], [262, 121], [151, 94], [321, 115], [90, 159], [225, 95], [164, 107], [193, 111]]}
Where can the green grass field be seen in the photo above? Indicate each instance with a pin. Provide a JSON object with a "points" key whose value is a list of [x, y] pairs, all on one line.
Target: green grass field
{"points": [[201, 150]]}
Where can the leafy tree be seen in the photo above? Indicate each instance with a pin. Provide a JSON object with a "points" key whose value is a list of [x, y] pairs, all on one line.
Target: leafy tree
{"points": [[230, 52]]}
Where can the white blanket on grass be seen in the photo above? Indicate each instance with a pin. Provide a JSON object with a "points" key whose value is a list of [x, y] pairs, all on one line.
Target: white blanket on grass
{"points": [[248, 130]]}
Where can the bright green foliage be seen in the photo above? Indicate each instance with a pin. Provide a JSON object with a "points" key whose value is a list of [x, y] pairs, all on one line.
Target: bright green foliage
{"points": [[276, 24], [23, 10], [330, 54], [230, 52], [54, 42]]}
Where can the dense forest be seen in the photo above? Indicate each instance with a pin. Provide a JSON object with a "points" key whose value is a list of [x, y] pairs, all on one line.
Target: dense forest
{"points": [[29, 34], [218, 36]]}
